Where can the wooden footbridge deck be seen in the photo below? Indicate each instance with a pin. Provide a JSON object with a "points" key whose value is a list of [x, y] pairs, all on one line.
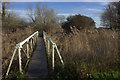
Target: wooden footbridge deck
{"points": [[37, 67], [38, 64]]}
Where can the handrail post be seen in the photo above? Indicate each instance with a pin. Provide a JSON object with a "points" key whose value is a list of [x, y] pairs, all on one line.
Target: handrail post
{"points": [[59, 55], [31, 46], [11, 61], [19, 47], [53, 46], [28, 49], [47, 41], [20, 65], [48, 47]]}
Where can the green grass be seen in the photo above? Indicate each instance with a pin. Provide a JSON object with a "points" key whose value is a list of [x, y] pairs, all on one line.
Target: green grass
{"points": [[108, 75], [71, 72], [17, 76]]}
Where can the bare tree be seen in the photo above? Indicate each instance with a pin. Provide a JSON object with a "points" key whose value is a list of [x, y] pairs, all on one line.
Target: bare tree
{"points": [[30, 13], [44, 17], [110, 17]]}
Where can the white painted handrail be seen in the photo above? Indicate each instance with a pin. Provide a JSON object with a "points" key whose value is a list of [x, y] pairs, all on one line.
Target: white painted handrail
{"points": [[47, 41], [45, 35], [23, 42], [31, 41]]}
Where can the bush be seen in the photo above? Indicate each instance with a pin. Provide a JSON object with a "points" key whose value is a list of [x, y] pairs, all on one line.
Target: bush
{"points": [[79, 21]]}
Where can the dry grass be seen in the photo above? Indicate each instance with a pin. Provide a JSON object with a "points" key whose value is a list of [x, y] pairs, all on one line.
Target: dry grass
{"points": [[91, 50], [9, 40]]}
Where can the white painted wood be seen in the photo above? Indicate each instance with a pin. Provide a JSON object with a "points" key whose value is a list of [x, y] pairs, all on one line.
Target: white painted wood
{"points": [[20, 62], [59, 54], [19, 47], [31, 45], [34, 34], [54, 46], [28, 49], [53, 57], [48, 38], [11, 61], [48, 47]]}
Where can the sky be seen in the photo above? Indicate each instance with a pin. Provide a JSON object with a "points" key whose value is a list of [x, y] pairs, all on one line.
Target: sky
{"points": [[90, 9], [59, 0]]}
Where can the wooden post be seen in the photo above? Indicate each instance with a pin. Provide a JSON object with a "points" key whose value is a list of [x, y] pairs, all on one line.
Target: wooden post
{"points": [[53, 56], [31, 46], [59, 55], [48, 47], [45, 39], [28, 49], [20, 65], [11, 61], [33, 41]]}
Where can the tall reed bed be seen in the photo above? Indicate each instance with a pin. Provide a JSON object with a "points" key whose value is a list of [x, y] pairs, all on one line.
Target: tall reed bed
{"points": [[87, 51], [9, 41]]}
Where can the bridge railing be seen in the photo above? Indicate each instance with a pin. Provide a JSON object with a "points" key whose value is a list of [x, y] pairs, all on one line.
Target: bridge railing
{"points": [[31, 41], [48, 41]]}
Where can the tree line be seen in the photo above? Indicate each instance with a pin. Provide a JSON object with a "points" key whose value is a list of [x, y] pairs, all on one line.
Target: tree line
{"points": [[42, 18], [45, 18]]}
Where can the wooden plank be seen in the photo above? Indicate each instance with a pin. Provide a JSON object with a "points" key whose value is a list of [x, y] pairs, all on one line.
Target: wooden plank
{"points": [[38, 64]]}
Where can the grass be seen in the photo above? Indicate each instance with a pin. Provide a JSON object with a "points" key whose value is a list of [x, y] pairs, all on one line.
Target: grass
{"points": [[14, 76], [88, 51]]}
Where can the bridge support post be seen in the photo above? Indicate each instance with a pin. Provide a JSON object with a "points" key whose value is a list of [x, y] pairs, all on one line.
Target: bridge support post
{"points": [[11, 61], [48, 47], [28, 49], [20, 65], [31, 45], [59, 54], [53, 46]]}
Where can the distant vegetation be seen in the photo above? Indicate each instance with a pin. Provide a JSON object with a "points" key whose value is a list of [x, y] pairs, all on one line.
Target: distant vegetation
{"points": [[88, 52], [111, 16], [10, 20], [79, 21], [43, 18]]}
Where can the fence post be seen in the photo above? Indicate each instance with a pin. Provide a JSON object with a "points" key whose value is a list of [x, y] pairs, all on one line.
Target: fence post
{"points": [[11, 61], [45, 39], [59, 54], [53, 46], [48, 47], [20, 65], [28, 49], [31, 46]]}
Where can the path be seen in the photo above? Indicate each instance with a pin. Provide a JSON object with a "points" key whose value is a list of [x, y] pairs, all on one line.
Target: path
{"points": [[38, 64]]}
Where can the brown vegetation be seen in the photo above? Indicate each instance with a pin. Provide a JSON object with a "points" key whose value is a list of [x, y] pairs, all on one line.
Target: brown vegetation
{"points": [[9, 41], [89, 50]]}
